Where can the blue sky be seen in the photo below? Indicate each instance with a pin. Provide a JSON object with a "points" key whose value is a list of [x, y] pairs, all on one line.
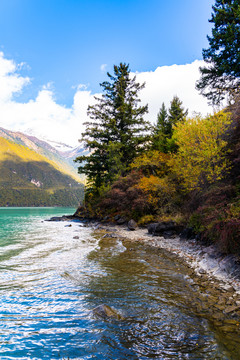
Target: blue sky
{"points": [[65, 42], [61, 44]]}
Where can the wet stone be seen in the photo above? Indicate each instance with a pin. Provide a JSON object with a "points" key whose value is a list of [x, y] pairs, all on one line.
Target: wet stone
{"points": [[231, 309], [231, 322], [219, 307], [218, 323], [217, 316], [221, 301], [227, 328], [211, 300], [106, 312]]}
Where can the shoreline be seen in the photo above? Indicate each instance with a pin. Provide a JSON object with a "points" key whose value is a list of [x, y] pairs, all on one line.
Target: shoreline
{"points": [[214, 276], [204, 260], [212, 281]]}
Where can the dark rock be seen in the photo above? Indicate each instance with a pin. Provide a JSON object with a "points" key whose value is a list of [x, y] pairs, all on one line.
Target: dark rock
{"points": [[198, 237], [68, 225], [122, 220], [76, 237], [132, 225], [57, 218], [117, 217], [63, 218], [168, 234], [187, 233], [161, 227]]}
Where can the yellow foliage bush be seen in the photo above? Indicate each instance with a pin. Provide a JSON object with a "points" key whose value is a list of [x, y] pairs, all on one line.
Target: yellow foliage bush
{"points": [[234, 211], [159, 190], [152, 163], [146, 219], [201, 156]]}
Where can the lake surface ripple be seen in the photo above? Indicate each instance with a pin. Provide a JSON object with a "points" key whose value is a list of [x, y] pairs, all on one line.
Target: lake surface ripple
{"points": [[52, 275]]}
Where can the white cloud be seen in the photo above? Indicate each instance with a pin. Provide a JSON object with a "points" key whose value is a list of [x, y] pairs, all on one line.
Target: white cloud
{"points": [[44, 117], [41, 116], [10, 82], [168, 81]]}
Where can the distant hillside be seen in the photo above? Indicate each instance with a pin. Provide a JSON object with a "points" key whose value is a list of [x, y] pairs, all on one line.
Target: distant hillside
{"points": [[32, 173], [62, 159]]}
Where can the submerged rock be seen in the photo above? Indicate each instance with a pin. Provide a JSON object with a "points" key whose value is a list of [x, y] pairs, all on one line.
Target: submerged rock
{"points": [[106, 312]]}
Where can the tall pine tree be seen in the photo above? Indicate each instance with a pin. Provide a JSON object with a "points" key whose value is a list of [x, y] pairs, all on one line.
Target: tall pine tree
{"points": [[221, 76], [163, 130], [117, 131], [176, 112]]}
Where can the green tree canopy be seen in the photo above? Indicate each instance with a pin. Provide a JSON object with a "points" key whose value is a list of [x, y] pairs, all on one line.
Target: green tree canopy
{"points": [[176, 112], [117, 131], [221, 76], [163, 130]]}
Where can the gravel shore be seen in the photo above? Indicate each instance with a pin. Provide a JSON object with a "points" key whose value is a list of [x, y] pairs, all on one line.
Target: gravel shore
{"points": [[204, 260]]}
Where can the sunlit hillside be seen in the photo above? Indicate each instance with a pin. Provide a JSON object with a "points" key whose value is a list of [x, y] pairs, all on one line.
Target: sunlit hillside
{"points": [[60, 160], [28, 178]]}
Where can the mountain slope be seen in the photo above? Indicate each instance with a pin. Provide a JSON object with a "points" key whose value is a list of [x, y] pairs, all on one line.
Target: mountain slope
{"points": [[62, 160], [29, 178]]}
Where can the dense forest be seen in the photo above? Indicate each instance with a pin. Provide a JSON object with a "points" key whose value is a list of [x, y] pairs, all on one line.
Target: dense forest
{"points": [[36, 197], [183, 168]]}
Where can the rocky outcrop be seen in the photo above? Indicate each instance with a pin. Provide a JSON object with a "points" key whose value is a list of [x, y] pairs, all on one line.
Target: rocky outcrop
{"points": [[62, 218], [58, 218], [164, 228]]}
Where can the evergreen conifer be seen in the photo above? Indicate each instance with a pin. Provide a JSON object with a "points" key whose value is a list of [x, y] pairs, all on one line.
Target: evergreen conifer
{"points": [[221, 76], [117, 131]]}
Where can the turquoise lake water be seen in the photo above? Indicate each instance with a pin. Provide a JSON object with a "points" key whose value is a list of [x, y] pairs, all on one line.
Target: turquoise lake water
{"points": [[53, 275]]}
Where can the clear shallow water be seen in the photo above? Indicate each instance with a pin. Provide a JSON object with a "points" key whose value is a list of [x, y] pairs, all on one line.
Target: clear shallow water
{"points": [[50, 282]]}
